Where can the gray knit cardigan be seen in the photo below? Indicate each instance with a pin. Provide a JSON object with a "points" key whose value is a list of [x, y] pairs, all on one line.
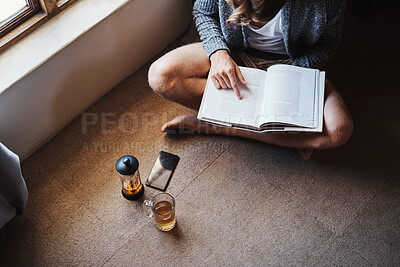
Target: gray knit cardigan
{"points": [[311, 29]]}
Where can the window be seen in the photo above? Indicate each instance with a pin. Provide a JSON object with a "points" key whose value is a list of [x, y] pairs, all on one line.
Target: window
{"points": [[20, 17], [10, 7], [14, 12]]}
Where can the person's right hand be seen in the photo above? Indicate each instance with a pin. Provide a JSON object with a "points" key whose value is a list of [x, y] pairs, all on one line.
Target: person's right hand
{"points": [[225, 72]]}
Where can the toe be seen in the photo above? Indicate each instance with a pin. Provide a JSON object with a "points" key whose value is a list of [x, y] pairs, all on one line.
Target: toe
{"points": [[172, 125], [164, 127], [305, 152]]}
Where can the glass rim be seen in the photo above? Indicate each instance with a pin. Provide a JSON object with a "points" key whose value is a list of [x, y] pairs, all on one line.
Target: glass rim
{"points": [[173, 204]]}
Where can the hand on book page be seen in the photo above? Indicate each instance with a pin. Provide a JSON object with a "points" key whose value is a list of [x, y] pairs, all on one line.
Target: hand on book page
{"points": [[225, 73]]}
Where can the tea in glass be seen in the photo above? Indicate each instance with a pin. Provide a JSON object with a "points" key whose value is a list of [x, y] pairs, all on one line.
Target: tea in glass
{"points": [[162, 208], [164, 215]]}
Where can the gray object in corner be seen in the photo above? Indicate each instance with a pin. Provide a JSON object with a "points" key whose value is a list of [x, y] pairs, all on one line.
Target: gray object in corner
{"points": [[13, 190]]}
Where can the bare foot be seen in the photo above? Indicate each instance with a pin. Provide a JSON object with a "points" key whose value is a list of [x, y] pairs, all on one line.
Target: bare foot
{"points": [[189, 123], [305, 152]]}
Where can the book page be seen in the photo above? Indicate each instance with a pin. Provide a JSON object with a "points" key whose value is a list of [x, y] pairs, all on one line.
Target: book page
{"points": [[222, 105], [289, 96]]}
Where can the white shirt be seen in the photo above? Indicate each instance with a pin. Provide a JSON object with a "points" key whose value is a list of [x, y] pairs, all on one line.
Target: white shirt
{"points": [[268, 38]]}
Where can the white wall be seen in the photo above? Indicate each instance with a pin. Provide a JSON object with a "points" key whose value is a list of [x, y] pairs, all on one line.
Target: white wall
{"points": [[39, 105]]}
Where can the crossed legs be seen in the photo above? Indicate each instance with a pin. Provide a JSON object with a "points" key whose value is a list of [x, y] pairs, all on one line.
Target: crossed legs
{"points": [[180, 76]]}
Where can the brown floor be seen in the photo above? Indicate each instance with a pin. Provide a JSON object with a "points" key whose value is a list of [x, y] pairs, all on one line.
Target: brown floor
{"points": [[239, 202]]}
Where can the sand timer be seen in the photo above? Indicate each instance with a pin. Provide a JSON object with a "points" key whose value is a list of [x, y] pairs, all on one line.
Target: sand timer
{"points": [[128, 170]]}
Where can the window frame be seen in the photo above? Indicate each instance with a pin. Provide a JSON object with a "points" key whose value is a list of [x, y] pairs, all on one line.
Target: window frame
{"points": [[32, 7], [28, 19]]}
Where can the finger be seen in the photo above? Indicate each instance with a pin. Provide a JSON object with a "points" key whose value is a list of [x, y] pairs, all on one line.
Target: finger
{"points": [[216, 82], [232, 80], [235, 86], [240, 76], [221, 82], [226, 80], [237, 93]]}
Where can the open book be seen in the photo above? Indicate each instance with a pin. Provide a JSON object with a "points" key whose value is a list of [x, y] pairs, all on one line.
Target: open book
{"points": [[283, 98]]}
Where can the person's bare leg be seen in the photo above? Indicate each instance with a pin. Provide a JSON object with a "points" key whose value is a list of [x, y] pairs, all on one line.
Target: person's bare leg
{"points": [[338, 127], [180, 75]]}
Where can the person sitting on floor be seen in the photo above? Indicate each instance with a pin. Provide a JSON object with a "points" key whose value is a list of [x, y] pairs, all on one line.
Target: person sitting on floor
{"points": [[255, 33]]}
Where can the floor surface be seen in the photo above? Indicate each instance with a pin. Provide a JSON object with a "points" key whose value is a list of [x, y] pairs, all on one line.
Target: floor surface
{"points": [[239, 202]]}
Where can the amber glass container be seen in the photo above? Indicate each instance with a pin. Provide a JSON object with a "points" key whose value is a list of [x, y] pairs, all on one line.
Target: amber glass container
{"points": [[128, 170]]}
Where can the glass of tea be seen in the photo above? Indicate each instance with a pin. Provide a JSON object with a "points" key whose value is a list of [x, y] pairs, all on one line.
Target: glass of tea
{"points": [[162, 209]]}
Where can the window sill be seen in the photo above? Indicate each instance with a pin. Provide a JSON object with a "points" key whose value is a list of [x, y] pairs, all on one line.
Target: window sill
{"points": [[29, 53], [52, 75]]}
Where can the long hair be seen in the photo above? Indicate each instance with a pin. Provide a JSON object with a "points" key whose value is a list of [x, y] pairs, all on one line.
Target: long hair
{"points": [[244, 10]]}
